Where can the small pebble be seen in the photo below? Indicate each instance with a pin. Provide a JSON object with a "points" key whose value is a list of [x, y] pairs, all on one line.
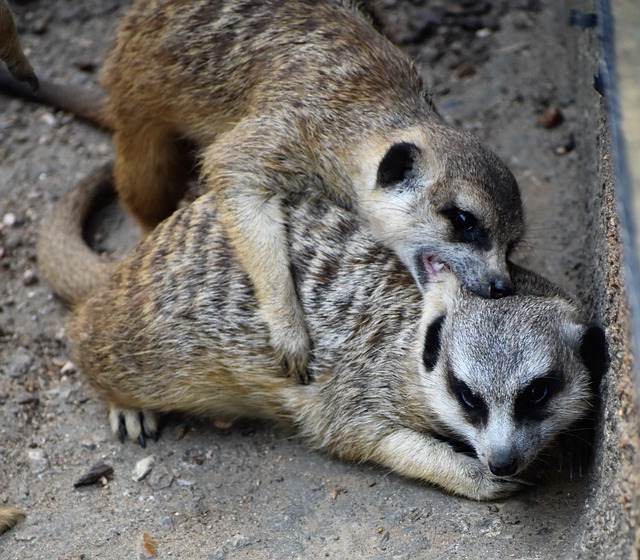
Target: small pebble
{"points": [[29, 277], [19, 363], [465, 70], [143, 468], [48, 118], [551, 118], [568, 144], [85, 64], [38, 459], [9, 219], [160, 478], [41, 23]]}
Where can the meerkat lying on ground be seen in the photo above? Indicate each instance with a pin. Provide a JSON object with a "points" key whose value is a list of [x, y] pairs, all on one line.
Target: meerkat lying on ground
{"points": [[301, 97], [401, 378]]}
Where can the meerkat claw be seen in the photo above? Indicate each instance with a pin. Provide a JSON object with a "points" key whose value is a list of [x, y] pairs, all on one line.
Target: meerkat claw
{"points": [[122, 429], [138, 425]]}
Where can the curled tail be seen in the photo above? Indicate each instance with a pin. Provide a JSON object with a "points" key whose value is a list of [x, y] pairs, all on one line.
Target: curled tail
{"points": [[72, 268]]}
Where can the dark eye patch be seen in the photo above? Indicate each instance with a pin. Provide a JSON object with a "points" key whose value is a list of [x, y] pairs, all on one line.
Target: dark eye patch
{"points": [[397, 164], [467, 227], [473, 405], [531, 403], [431, 349], [458, 445]]}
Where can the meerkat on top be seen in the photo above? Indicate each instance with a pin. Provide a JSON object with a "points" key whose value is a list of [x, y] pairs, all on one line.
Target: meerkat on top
{"points": [[302, 96], [399, 376]]}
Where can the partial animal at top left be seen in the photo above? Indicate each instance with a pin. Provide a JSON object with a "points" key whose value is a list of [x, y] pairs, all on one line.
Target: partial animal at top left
{"points": [[18, 65], [11, 51]]}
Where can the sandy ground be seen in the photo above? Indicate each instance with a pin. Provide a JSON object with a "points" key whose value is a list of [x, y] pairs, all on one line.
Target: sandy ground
{"points": [[253, 491]]}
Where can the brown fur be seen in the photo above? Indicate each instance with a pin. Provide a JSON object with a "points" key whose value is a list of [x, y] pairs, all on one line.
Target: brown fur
{"points": [[284, 98]]}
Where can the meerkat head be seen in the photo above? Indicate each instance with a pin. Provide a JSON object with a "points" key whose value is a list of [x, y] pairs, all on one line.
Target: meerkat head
{"points": [[442, 200], [507, 376]]}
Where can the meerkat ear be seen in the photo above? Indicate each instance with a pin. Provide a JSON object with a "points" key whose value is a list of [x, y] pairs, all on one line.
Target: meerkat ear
{"points": [[397, 164], [594, 352], [432, 343]]}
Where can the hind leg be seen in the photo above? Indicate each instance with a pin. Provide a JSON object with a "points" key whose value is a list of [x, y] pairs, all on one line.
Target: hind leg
{"points": [[150, 173]]}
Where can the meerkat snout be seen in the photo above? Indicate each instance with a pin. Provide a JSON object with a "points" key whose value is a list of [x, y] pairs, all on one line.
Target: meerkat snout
{"points": [[500, 287], [503, 464]]}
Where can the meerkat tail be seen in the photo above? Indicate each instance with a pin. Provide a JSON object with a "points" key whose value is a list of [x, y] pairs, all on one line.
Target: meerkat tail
{"points": [[71, 267], [9, 518], [10, 50], [82, 103]]}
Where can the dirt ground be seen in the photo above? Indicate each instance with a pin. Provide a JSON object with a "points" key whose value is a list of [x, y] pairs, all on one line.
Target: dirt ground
{"points": [[253, 491]]}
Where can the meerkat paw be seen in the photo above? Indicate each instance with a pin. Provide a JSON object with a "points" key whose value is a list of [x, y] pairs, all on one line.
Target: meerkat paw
{"points": [[484, 486], [137, 424], [292, 346]]}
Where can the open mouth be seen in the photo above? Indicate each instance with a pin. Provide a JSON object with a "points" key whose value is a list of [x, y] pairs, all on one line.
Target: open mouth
{"points": [[431, 265], [427, 267]]}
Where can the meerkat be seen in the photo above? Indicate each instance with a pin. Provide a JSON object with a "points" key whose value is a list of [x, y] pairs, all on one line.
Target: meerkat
{"points": [[11, 52], [403, 379], [301, 97]]}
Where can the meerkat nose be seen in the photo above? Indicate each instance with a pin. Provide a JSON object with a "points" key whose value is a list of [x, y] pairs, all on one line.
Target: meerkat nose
{"points": [[501, 288], [508, 466]]}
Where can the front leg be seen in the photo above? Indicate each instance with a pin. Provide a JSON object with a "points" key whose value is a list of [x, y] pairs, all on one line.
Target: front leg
{"points": [[418, 455], [137, 424], [255, 224]]}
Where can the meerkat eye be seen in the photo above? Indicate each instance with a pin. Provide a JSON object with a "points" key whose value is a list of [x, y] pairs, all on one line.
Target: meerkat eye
{"points": [[462, 220], [537, 393], [466, 226], [468, 399], [531, 402], [472, 404]]}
